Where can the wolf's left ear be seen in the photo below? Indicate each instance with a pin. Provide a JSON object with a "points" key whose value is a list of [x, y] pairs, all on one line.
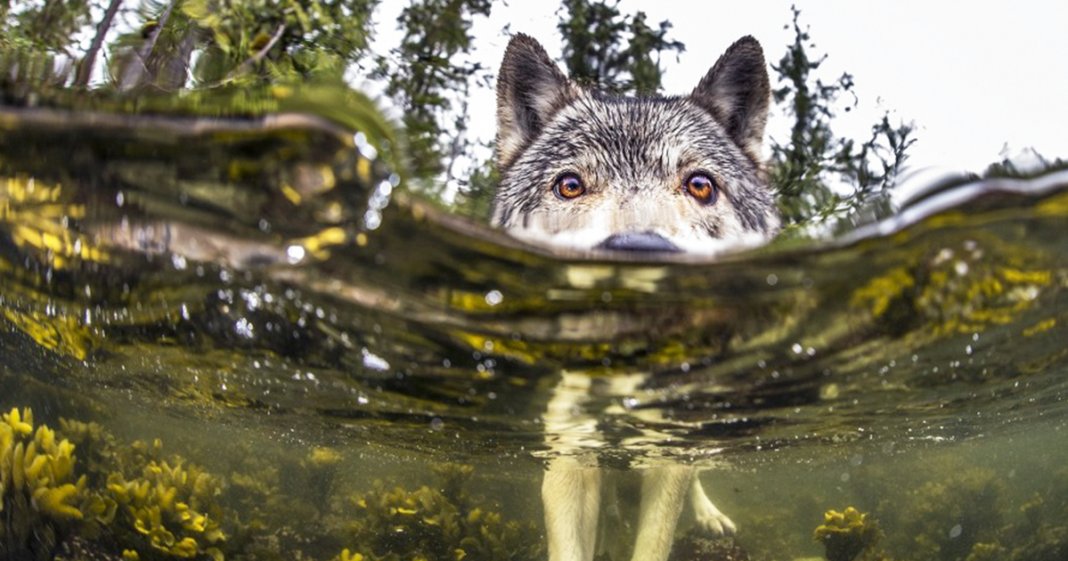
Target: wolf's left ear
{"points": [[736, 91], [530, 89]]}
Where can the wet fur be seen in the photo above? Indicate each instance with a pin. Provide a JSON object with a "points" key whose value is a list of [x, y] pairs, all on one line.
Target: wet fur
{"points": [[634, 156]]}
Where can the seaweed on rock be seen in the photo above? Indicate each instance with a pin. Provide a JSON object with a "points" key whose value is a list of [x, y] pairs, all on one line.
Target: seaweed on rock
{"points": [[846, 535]]}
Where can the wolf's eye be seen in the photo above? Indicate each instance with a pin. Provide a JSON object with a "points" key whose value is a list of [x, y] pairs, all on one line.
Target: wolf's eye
{"points": [[702, 188], [568, 186]]}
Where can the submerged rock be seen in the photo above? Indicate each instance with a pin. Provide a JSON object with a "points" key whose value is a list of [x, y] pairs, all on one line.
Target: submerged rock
{"points": [[696, 547]]}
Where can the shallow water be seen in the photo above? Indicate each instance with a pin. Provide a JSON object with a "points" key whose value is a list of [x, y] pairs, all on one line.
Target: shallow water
{"points": [[257, 296]]}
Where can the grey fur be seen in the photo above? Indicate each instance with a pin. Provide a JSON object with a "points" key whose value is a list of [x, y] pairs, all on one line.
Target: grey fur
{"points": [[634, 155]]}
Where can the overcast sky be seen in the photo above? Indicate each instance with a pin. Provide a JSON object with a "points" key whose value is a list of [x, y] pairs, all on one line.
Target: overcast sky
{"points": [[976, 77]]}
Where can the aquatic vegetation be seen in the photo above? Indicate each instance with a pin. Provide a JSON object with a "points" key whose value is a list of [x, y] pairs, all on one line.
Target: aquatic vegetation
{"points": [[41, 497], [98, 449], [847, 534], [1041, 532], [40, 211], [949, 517], [172, 508], [965, 289], [439, 523], [50, 502], [986, 552]]}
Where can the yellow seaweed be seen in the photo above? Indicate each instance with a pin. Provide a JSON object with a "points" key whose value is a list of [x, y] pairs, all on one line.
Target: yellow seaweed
{"points": [[846, 534]]}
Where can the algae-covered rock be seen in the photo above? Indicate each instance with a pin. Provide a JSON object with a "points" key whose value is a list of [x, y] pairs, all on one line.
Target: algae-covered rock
{"points": [[694, 546], [846, 534]]}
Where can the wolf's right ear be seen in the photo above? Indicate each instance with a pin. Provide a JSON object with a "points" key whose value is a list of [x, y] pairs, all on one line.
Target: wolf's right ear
{"points": [[530, 89], [737, 92]]}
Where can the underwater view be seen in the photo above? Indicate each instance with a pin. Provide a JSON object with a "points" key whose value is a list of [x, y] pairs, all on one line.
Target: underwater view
{"points": [[238, 338]]}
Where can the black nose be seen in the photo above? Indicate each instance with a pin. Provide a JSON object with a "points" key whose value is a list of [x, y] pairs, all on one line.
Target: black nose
{"points": [[638, 241]]}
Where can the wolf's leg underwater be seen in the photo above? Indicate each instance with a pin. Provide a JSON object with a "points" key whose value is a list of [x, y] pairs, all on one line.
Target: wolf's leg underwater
{"points": [[571, 495], [663, 490]]}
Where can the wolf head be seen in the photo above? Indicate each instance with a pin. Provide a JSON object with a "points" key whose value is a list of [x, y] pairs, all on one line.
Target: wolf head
{"points": [[584, 170]]}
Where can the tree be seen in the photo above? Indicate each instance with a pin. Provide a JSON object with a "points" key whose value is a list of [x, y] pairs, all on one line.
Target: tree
{"points": [[422, 73], [85, 66], [605, 50], [476, 198], [38, 44], [805, 169], [44, 25]]}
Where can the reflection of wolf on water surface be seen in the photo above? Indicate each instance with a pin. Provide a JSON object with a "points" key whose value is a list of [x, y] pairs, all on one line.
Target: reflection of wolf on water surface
{"points": [[587, 171]]}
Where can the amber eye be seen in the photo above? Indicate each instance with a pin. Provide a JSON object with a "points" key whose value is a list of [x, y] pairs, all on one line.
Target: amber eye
{"points": [[702, 188], [568, 186]]}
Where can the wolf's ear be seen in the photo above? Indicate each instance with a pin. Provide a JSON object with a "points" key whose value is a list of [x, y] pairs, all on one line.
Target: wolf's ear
{"points": [[736, 91], [530, 89]]}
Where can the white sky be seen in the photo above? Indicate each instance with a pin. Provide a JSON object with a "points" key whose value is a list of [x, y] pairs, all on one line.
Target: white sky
{"points": [[976, 77]]}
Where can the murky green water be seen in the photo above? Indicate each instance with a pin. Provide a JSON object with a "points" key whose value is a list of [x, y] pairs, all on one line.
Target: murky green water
{"points": [[285, 358]]}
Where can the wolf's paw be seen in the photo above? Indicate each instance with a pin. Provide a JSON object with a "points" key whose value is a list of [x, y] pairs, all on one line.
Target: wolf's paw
{"points": [[710, 519]]}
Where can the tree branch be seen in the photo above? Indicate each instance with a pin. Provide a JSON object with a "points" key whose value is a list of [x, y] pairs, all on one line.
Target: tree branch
{"points": [[259, 56], [131, 76], [85, 69]]}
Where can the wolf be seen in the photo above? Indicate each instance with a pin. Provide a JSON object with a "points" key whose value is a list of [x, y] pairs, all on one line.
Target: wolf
{"points": [[586, 171]]}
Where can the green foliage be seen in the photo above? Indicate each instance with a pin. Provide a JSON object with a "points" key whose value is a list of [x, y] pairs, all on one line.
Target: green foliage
{"points": [[426, 79], [1010, 168], [26, 73], [806, 171], [44, 25], [268, 41], [261, 41], [477, 198], [158, 53], [607, 51], [36, 39]]}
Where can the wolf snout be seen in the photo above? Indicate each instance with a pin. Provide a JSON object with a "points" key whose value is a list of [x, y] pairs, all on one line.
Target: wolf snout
{"points": [[638, 241]]}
